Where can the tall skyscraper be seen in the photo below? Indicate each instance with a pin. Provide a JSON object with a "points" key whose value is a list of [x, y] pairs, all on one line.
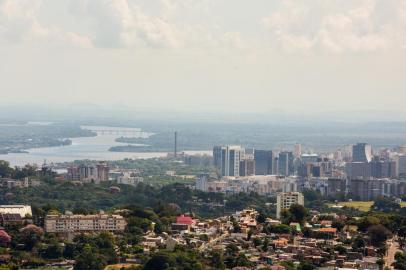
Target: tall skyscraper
{"points": [[227, 159], [285, 163], [298, 150], [263, 162], [362, 152]]}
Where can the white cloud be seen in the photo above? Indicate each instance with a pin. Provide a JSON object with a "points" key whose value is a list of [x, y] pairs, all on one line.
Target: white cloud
{"points": [[19, 22], [359, 26]]}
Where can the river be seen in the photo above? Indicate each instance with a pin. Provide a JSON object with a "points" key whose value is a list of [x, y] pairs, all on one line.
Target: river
{"points": [[94, 148]]}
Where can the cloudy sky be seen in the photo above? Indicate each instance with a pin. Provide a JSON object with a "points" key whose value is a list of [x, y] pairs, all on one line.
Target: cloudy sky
{"points": [[205, 55]]}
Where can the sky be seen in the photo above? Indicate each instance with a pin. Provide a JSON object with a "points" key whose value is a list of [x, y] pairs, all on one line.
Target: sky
{"points": [[205, 55]]}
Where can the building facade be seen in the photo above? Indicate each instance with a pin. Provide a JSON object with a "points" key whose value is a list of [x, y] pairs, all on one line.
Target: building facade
{"points": [[263, 162], [227, 159], [84, 223], [285, 200], [362, 152], [285, 163]]}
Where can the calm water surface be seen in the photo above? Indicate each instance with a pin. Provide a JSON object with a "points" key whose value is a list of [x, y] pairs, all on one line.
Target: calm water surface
{"points": [[94, 148]]}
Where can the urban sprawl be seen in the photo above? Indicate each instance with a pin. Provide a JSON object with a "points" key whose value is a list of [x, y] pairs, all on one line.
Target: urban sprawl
{"points": [[240, 208]]}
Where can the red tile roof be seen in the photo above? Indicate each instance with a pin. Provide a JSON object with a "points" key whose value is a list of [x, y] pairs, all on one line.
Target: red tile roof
{"points": [[182, 219]]}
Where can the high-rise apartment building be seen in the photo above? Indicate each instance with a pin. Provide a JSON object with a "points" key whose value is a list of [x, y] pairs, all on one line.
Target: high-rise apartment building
{"points": [[89, 173], [263, 162], [285, 200], [362, 152]]}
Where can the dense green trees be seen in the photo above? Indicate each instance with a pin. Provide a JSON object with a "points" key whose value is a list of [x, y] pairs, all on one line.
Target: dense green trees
{"points": [[89, 260], [296, 213], [378, 235], [179, 259], [385, 204], [400, 261]]}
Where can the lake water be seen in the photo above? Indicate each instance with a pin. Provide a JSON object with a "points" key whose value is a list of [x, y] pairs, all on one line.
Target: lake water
{"points": [[94, 148]]}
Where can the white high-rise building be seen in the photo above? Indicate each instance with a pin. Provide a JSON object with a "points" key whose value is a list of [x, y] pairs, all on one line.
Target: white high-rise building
{"points": [[201, 182], [285, 200]]}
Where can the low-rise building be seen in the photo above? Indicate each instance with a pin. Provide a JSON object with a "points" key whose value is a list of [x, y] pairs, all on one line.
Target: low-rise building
{"points": [[22, 210], [84, 223], [128, 179]]}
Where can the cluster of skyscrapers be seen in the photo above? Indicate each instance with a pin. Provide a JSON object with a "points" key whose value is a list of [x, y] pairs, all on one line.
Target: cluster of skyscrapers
{"points": [[357, 171], [238, 161]]}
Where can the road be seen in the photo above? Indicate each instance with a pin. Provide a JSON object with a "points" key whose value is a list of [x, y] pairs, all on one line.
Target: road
{"points": [[390, 255]]}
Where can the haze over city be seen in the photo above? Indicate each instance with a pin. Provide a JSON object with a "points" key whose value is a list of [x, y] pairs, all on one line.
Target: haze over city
{"points": [[206, 56], [202, 135]]}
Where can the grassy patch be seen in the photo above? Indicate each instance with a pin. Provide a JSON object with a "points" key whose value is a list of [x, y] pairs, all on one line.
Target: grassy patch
{"points": [[361, 205]]}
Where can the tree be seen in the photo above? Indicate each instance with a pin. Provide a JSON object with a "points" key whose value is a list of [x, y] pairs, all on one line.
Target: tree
{"points": [[378, 235], [400, 261], [249, 234], [31, 235], [89, 260], [232, 249], [53, 251], [265, 245], [341, 250], [4, 238], [359, 243], [339, 225], [243, 261], [386, 204], [298, 213], [380, 262], [5, 170], [367, 222], [261, 218], [160, 261], [236, 227], [217, 260], [280, 228], [306, 266]]}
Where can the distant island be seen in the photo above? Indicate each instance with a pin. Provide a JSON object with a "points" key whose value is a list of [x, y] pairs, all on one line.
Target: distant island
{"points": [[17, 138]]}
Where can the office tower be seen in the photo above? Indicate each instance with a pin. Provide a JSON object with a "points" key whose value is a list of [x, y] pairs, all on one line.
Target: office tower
{"points": [[357, 170], [217, 154], [227, 159], [285, 163], [336, 186], [298, 150], [247, 167], [362, 152], [368, 189], [275, 166], [401, 166], [383, 169], [263, 162], [285, 200]]}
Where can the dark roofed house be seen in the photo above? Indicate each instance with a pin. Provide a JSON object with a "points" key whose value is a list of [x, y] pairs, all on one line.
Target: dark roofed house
{"points": [[11, 219]]}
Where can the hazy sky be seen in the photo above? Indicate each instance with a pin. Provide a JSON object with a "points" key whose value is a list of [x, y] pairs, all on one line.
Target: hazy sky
{"points": [[203, 55]]}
